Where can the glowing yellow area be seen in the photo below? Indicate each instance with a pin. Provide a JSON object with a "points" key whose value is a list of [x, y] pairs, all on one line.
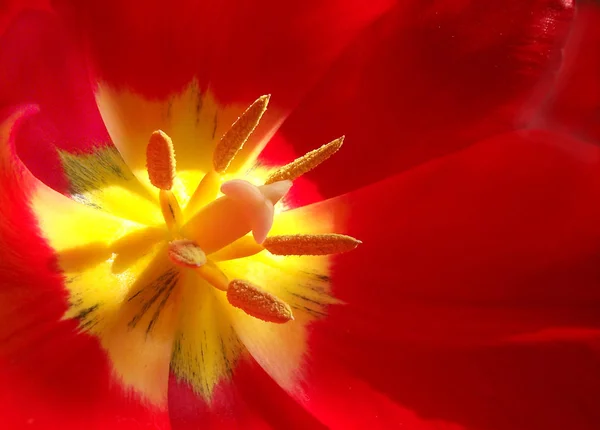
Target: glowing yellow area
{"points": [[104, 259], [303, 284], [150, 312], [207, 346], [114, 267], [139, 336], [103, 180], [193, 119]]}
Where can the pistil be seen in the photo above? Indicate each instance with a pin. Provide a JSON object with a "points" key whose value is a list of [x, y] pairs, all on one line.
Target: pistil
{"points": [[257, 202]]}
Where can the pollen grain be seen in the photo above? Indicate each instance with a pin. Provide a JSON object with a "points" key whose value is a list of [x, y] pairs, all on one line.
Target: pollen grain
{"points": [[186, 253], [258, 303], [310, 244], [160, 160], [235, 138], [306, 163]]}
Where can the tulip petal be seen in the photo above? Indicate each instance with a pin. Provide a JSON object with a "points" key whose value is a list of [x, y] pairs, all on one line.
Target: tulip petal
{"points": [[41, 65], [11, 9], [188, 411], [102, 181], [477, 304], [112, 282], [340, 399], [51, 376], [240, 50], [191, 118], [206, 347], [525, 387], [513, 219], [231, 52], [116, 287], [574, 103], [251, 400], [427, 79]]}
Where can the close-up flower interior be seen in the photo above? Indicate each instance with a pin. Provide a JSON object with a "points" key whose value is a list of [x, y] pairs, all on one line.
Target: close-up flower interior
{"points": [[328, 214]]}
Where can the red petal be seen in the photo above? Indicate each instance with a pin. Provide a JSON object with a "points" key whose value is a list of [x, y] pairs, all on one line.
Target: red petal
{"points": [[242, 49], [474, 296], [343, 400], [251, 400], [520, 387], [425, 81], [40, 65], [229, 411], [50, 377], [505, 234], [57, 379], [10, 9], [575, 103]]}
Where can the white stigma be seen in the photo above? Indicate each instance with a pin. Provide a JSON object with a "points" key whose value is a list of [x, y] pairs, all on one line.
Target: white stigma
{"points": [[257, 203]]}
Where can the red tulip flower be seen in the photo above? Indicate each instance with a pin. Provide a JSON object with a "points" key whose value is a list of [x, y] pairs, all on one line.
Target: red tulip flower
{"points": [[319, 214]]}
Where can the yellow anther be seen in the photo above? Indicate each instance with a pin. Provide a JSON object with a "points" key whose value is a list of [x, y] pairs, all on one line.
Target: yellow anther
{"points": [[186, 253], [170, 209], [233, 140], [306, 163], [213, 275], [160, 160], [258, 303], [310, 244]]}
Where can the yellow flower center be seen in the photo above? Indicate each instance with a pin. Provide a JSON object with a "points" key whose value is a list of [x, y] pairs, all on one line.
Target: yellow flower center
{"points": [[195, 290], [244, 207]]}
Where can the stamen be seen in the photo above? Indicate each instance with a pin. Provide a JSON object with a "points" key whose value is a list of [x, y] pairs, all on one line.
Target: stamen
{"points": [[170, 209], [233, 140], [258, 303], [306, 163], [241, 248], [206, 192], [160, 160], [310, 244], [213, 275], [186, 253]]}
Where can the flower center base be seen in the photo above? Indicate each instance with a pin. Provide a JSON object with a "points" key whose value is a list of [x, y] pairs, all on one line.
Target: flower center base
{"points": [[219, 226]]}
